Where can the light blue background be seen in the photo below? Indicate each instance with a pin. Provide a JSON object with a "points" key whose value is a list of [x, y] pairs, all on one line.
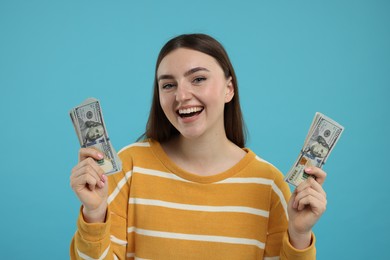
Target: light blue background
{"points": [[292, 58]]}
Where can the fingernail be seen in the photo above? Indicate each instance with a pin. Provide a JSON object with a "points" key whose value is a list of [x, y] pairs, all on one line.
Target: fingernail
{"points": [[308, 170], [100, 155]]}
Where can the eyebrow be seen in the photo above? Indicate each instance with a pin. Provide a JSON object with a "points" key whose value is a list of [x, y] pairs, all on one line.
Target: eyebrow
{"points": [[186, 74]]}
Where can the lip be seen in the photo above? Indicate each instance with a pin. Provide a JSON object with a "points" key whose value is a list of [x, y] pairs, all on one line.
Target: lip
{"points": [[191, 118], [194, 108]]}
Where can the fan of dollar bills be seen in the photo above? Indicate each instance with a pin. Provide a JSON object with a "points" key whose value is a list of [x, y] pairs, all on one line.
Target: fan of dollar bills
{"points": [[87, 119], [320, 141]]}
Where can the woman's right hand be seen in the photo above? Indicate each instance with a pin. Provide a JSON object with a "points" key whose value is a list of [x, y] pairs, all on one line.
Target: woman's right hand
{"points": [[90, 185]]}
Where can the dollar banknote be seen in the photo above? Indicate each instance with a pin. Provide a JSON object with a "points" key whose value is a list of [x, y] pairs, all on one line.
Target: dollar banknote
{"points": [[319, 143], [88, 122]]}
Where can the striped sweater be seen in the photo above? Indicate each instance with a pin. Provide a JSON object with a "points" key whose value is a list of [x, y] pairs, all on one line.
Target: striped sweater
{"points": [[159, 211]]}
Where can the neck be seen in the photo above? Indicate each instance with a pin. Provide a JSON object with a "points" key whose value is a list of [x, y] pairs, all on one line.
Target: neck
{"points": [[203, 149], [204, 156]]}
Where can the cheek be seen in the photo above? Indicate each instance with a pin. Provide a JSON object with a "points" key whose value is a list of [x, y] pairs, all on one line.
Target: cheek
{"points": [[165, 103], [217, 96]]}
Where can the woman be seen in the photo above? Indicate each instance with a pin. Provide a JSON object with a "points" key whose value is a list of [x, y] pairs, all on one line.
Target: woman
{"points": [[191, 190]]}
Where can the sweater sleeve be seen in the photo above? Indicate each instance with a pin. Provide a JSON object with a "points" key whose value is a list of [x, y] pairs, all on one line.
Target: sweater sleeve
{"points": [[289, 252], [278, 243], [92, 240], [106, 240]]}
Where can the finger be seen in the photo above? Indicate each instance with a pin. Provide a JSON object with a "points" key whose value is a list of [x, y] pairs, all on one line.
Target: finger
{"points": [[90, 163], [83, 181], [309, 192], [311, 183], [86, 180], [90, 152], [292, 200], [317, 206], [308, 187], [88, 167], [317, 173]]}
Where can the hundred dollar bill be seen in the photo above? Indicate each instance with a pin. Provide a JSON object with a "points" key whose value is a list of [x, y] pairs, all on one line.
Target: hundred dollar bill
{"points": [[320, 141], [87, 119]]}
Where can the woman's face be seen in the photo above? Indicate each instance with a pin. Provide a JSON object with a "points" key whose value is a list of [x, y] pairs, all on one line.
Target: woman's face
{"points": [[193, 92]]}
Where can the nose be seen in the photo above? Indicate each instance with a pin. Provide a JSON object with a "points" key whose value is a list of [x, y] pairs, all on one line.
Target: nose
{"points": [[183, 92]]}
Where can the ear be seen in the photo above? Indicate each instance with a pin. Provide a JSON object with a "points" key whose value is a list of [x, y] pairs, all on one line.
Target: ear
{"points": [[229, 91]]}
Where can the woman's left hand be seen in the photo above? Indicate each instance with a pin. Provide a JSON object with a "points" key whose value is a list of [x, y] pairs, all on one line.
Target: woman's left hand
{"points": [[306, 206]]}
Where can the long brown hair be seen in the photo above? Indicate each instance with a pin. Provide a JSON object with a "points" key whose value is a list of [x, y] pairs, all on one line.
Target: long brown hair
{"points": [[158, 126]]}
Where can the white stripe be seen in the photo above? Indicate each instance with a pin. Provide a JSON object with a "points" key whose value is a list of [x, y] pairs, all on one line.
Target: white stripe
{"points": [[118, 241], [115, 257], [281, 198], [271, 258], [130, 229], [84, 256], [180, 206], [264, 161], [276, 189], [118, 188], [264, 181], [139, 144], [207, 238], [166, 175], [249, 180], [129, 255]]}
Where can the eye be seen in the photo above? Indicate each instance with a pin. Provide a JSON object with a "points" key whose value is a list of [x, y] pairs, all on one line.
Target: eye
{"points": [[167, 86], [198, 80]]}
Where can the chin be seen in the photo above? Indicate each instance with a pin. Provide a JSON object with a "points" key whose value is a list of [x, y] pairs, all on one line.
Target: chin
{"points": [[191, 135]]}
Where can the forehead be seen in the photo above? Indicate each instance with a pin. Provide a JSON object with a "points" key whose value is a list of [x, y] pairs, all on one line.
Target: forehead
{"points": [[182, 59]]}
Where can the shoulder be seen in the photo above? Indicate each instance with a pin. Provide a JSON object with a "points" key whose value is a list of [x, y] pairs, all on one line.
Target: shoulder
{"points": [[128, 149], [260, 167], [263, 166], [281, 190], [130, 152], [144, 143], [128, 156], [143, 151]]}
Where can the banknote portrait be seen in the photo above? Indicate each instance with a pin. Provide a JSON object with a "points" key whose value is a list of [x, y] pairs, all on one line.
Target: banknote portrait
{"points": [[318, 148], [91, 131]]}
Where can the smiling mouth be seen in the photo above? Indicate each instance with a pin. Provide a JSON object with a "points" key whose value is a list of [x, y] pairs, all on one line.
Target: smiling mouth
{"points": [[188, 112]]}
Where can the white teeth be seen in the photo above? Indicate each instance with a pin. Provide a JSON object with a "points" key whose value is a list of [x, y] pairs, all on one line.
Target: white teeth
{"points": [[190, 110]]}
